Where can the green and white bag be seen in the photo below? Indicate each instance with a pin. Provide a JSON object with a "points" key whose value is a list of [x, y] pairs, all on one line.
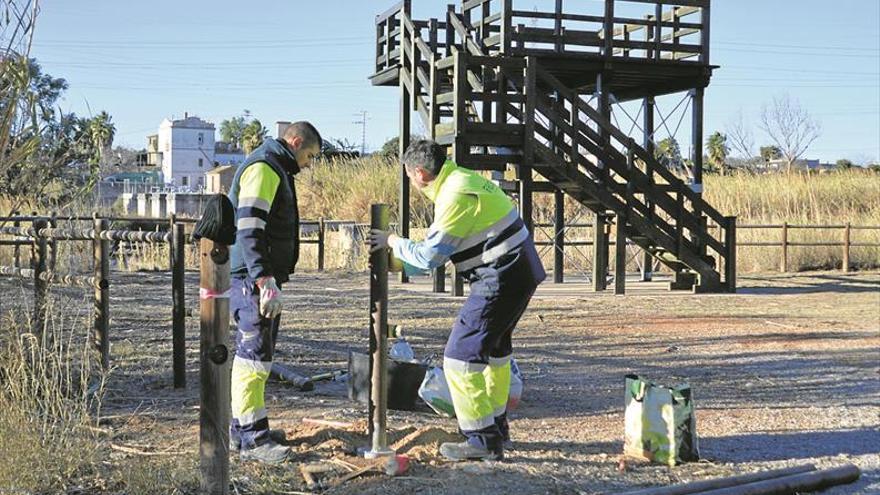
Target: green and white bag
{"points": [[660, 423]]}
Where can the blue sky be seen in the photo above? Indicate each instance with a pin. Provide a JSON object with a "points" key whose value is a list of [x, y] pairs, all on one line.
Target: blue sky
{"points": [[283, 60]]}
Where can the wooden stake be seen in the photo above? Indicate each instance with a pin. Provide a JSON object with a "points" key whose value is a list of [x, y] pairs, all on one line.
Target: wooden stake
{"points": [[214, 364]]}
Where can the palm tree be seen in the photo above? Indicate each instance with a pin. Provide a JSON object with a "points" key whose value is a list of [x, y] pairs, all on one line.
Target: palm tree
{"points": [[101, 131], [253, 136], [716, 147]]}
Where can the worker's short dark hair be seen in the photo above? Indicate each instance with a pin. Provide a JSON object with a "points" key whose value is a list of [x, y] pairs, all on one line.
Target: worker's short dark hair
{"points": [[425, 154], [306, 131]]}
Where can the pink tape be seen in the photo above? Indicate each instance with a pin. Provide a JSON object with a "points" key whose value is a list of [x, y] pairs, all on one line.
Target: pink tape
{"points": [[210, 294]]}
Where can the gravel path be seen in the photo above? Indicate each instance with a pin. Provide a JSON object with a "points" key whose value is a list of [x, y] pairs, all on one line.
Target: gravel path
{"points": [[784, 373]]}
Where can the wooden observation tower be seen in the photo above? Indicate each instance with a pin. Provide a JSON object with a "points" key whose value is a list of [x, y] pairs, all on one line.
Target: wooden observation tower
{"points": [[538, 93]]}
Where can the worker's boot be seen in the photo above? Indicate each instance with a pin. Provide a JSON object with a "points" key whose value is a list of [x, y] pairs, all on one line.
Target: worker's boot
{"points": [[465, 451], [277, 436], [504, 427], [267, 453]]}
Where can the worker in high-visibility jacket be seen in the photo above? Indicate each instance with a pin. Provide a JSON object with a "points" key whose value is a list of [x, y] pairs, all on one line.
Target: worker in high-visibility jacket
{"points": [[477, 227], [264, 255]]}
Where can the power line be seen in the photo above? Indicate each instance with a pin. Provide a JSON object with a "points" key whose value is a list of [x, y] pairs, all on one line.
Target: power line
{"points": [[363, 123]]}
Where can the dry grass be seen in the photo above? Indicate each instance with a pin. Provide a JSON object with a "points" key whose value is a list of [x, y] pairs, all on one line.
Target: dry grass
{"points": [[345, 189], [49, 398]]}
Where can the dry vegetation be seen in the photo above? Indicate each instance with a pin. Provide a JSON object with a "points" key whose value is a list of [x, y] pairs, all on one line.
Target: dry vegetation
{"points": [[345, 189]]}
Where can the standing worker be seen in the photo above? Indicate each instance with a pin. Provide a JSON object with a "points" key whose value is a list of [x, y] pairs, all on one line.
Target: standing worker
{"points": [[265, 253], [476, 227]]}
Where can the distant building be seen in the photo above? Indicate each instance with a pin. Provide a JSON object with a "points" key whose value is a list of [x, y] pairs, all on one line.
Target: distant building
{"points": [[804, 165], [187, 148], [219, 180], [227, 154]]}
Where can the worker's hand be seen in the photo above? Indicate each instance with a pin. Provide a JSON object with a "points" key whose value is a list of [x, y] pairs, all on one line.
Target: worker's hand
{"points": [[381, 239], [270, 297]]}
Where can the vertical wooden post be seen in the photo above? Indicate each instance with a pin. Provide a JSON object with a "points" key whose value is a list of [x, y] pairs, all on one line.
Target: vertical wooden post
{"points": [[101, 252], [450, 31], [608, 29], [658, 32], [403, 144], [620, 256], [697, 97], [379, 339], [506, 25], [16, 252], [528, 158], [178, 315], [559, 237], [783, 266], [53, 243], [557, 27], [648, 143], [214, 367], [846, 246], [40, 284], [730, 260], [439, 279], [704, 34], [600, 253], [321, 239], [457, 289]]}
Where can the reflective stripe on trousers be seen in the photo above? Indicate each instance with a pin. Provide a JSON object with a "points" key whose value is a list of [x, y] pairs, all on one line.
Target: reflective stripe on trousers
{"points": [[251, 366]]}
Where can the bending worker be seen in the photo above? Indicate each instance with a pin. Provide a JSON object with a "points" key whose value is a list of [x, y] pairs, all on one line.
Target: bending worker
{"points": [[264, 255], [476, 227]]}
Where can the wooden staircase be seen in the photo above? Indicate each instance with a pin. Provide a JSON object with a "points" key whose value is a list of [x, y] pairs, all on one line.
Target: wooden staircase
{"points": [[496, 110]]}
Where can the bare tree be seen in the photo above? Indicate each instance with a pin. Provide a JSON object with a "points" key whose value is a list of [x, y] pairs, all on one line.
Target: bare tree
{"points": [[740, 138], [790, 127]]}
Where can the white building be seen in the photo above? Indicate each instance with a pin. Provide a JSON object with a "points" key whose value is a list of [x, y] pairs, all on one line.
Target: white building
{"points": [[187, 147]]}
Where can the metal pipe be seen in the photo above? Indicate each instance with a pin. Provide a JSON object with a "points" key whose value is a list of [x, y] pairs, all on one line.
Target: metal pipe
{"points": [[379, 340]]}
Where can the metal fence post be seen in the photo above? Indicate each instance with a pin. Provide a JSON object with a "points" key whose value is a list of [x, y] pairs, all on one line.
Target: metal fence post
{"points": [[846, 246]]}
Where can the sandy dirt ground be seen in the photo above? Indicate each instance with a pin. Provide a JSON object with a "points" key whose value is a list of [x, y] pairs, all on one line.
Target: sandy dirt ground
{"points": [[784, 373]]}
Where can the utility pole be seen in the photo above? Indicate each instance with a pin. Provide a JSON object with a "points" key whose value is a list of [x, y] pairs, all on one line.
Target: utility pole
{"points": [[363, 123]]}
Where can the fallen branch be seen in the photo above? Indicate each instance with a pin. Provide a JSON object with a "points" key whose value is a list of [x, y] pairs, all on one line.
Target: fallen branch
{"points": [[324, 422], [130, 450]]}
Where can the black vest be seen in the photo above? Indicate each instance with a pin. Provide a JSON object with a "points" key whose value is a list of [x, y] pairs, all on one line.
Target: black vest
{"points": [[282, 226]]}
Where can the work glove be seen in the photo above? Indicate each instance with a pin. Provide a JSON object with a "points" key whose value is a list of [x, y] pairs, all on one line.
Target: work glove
{"points": [[381, 239], [270, 297]]}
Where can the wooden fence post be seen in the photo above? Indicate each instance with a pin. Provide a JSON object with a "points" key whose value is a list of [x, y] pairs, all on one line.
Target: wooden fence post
{"points": [[783, 267], [40, 285], [846, 246], [101, 257], [214, 393], [439, 280], [730, 260], [559, 237], [457, 289], [178, 303], [16, 252], [620, 255], [321, 238], [53, 244], [378, 339]]}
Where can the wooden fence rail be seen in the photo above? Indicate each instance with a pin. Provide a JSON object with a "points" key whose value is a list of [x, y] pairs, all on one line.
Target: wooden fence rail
{"points": [[784, 243]]}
